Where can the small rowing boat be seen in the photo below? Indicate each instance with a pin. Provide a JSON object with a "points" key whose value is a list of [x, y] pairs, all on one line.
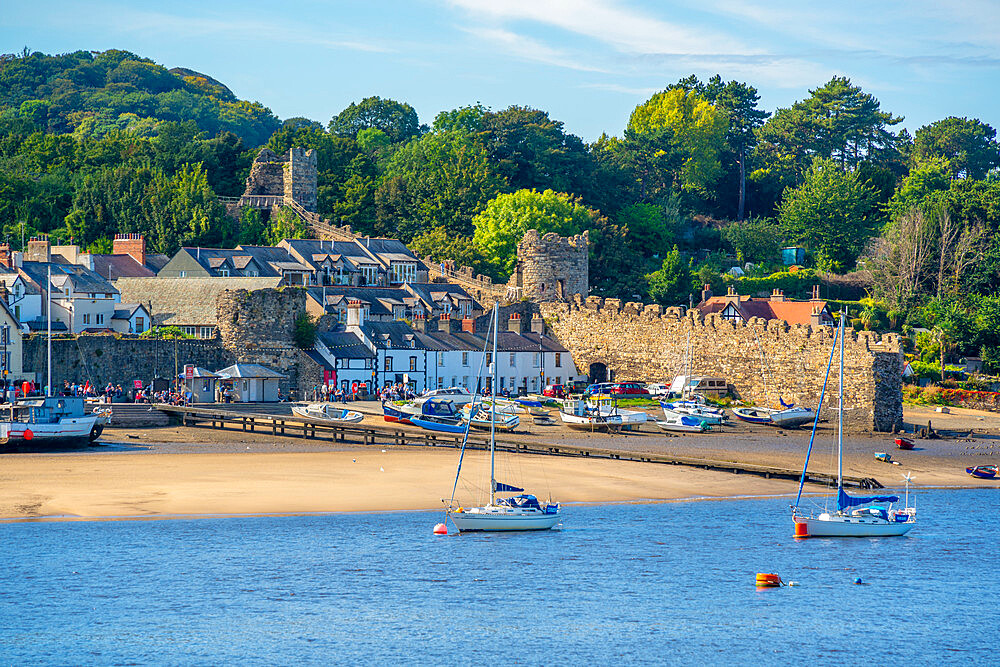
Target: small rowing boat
{"points": [[904, 443], [983, 472], [327, 412]]}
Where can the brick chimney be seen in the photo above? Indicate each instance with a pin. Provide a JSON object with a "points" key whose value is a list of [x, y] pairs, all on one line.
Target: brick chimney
{"points": [[815, 293], [816, 317], [732, 297], [469, 325], [706, 293], [5, 258], [778, 295], [537, 324], [38, 249], [514, 323], [130, 244], [420, 322]]}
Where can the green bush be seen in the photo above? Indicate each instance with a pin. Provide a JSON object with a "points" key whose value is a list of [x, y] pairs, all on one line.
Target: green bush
{"points": [[797, 285]]}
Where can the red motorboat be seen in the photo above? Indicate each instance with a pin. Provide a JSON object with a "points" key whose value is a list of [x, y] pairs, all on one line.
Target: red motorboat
{"points": [[904, 443]]}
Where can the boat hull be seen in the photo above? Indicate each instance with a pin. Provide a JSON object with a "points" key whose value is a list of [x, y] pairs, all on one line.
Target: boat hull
{"points": [[982, 472], [437, 426], [792, 418], [468, 522], [849, 527], [679, 428], [352, 416], [71, 432], [752, 416]]}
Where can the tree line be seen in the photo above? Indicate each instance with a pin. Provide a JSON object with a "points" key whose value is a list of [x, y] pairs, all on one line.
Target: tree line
{"points": [[698, 180]]}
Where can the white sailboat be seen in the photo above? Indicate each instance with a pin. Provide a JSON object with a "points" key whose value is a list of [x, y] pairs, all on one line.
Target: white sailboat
{"points": [[506, 512], [866, 519]]}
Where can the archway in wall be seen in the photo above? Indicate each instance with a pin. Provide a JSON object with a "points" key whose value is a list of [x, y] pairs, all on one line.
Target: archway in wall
{"points": [[598, 373]]}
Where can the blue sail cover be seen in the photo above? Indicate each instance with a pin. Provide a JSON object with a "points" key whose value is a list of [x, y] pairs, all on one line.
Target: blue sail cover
{"points": [[844, 501], [500, 487], [785, 405]]}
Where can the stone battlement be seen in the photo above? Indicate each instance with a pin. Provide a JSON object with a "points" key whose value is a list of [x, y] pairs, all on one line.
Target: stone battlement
{"points": [[551, 267]]}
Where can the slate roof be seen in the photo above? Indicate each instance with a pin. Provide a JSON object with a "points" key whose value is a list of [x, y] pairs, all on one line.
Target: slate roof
{"points": [[125, 311], [186, 301], [113, 267], [346, 344], [276, 257], [248, 371], [211, 259], [82, 279], [10, 278]]}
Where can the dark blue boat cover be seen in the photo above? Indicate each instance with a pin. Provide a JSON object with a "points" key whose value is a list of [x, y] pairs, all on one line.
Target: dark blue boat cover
{"points": [[500, 487], [844, 501]]}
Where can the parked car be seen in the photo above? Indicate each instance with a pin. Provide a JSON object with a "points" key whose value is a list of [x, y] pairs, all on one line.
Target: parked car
{"points": [[554, 391], [629, 388], [578, 386], [658, 389]]}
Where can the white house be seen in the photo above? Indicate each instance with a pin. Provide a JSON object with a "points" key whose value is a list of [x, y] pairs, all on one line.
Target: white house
{"points": [[251, 383], [130, 318]]}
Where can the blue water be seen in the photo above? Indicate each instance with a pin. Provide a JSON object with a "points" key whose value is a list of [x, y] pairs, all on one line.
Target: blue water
{"points": [[654, 583]]}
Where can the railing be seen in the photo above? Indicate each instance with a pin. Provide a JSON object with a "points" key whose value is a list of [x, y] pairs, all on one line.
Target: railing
{"points": [[262, 201], [463, 278]]}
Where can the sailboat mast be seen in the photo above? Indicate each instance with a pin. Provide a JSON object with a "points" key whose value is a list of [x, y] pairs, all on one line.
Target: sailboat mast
{"points": [[840, 412], [48, 336], [493, 411]]}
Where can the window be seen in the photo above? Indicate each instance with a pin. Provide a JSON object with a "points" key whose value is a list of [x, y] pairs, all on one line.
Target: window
{"points": [[513, 359], [206, 332], [534, 384], [388, 363], [558, 360], [399, 312], [440, 383], [536, 359], [5, 335], [252, 273], [403, 272], [489, 358], [513, 385], [558, 380], [191, 331], [465, 381], [503, 381], [466, 308], [224, 272], [369, 275], [86, 318], [413, 363], [182, 274], [140, 324], [100, 318], [17, 313], [440, 358], [465, 358]]}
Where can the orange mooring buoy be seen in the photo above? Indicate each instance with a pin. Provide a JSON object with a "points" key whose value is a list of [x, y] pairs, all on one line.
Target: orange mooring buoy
{"points": [[440, 529], [801, 529], [768, 580]]}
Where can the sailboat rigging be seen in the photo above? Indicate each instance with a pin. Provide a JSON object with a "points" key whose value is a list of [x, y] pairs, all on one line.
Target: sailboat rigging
{"points": [[518, 512], [867, 519]]}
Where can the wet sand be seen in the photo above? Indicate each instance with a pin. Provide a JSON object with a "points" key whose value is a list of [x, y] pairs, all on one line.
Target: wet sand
{"points": [[194, 471]]}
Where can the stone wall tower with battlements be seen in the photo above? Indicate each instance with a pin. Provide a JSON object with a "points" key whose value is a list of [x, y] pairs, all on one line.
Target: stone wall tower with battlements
{"points": [[280, 181], [551, 267]]}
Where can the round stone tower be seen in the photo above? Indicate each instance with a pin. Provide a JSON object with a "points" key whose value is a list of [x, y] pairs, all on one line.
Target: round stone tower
{"points": [[551, 267]]}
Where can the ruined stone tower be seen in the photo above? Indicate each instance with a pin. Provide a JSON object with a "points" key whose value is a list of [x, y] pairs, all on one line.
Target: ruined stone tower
{"points": [[551, 267], [276, 181]]}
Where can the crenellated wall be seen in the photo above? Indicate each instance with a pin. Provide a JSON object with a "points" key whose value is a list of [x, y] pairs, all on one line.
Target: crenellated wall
{"points": [[551, 267], [761, 360]]}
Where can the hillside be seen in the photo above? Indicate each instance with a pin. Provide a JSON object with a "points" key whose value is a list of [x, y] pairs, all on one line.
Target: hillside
{"points": [[92, 93]]}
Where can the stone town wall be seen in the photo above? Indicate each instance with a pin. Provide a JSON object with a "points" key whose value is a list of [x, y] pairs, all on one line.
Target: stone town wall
{"points": [[103, 358], [761, 360], [267, 175], [551, 267], [301, 178], [257, 327]]}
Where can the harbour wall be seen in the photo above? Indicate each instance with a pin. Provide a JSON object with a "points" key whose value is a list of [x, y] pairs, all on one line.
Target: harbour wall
{"points": [[762, 360]]}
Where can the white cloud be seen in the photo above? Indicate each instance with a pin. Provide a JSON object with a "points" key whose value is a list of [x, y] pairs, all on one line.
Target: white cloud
{"points": [[626, 30], [528, 48]]}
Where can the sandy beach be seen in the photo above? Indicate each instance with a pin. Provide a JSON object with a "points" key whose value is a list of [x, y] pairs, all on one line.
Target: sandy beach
{"points": [[195, 471]]}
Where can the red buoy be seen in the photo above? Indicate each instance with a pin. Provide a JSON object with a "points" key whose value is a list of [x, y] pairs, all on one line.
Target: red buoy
{"points": [[440, 529], [28, 435]]}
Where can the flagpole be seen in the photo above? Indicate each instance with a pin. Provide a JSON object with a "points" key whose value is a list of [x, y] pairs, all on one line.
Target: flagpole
{"points": [[48, 325]]}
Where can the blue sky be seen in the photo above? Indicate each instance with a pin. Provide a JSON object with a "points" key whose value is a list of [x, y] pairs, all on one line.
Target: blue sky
{"points": [[586, 62]]}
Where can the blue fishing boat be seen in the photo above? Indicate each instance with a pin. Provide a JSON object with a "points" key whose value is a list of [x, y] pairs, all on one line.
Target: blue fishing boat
{"points": [[441, 424], [396, 414], [439, 414]]}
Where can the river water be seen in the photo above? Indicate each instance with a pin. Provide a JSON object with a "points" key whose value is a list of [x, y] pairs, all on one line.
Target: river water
{"points": [[644, 583]]}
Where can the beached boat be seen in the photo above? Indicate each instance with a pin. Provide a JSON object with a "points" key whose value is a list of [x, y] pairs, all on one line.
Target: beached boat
{"points": [[983, 472], [484, 419], [692, 409], [576, 414], [328, 412], [753, 415], [904, 443], [856, 516], [792, 417], [459, 396], [439, 414], [399, 413], [676, 422], [51, 421], [608, 407], [508, 512]]}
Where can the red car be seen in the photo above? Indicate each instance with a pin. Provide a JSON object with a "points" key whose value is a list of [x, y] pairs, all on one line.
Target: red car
{"points": [[629, 388], [554, 391]]}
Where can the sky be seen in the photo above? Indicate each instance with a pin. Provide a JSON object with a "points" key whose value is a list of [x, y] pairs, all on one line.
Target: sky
{"points": [[588, 63]]}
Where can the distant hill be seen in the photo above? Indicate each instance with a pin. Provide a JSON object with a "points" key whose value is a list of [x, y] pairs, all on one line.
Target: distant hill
{"points": [[93, 93]]}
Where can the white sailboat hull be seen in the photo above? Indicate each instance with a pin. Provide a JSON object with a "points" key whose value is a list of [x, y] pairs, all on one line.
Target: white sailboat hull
{"points": [[493, 519], [71, 430], [850, 526]]}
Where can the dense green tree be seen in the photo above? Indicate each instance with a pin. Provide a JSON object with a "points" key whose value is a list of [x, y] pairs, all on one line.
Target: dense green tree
{"points": [[441, 179], [671, 284], [397, 119], [441, 246], [967, 146], [831, 213], [652, 229], [756, 240], [697, 130], [500, 227]]}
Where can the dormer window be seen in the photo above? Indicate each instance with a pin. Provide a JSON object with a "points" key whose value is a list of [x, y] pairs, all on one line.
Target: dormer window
{"points": [[223, 272]]}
